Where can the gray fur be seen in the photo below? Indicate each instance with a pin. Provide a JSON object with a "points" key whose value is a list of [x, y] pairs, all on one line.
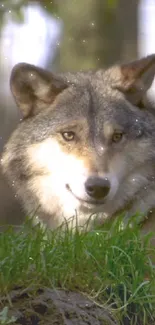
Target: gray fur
{"points": [[86, 103]]}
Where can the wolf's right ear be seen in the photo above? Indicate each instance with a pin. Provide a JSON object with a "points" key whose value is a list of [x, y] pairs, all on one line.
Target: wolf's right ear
{"points": [[34, 88]]}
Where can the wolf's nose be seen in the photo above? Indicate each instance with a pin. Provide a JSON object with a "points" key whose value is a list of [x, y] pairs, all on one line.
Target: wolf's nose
{"points": [[97, 187]]}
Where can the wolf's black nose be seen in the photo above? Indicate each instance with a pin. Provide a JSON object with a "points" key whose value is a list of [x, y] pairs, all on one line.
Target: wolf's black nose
{"points": [[97, 187]]}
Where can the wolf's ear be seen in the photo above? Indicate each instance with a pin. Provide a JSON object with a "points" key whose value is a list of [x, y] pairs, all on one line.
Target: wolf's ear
{"points": [[136, 78], [34, 88]]}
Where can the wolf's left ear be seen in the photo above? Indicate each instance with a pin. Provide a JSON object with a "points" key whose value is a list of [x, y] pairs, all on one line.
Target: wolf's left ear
{"points": [[136, 78], [34, 88]]}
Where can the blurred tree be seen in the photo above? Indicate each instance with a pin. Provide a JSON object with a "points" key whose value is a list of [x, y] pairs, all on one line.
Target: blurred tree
{"points": [[98, 33]]}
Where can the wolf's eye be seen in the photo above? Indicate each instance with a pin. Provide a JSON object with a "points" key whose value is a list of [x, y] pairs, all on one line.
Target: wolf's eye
{"points": [[117, 136], [68, 136]]}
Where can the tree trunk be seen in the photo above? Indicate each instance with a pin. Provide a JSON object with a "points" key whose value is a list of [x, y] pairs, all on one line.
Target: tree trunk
{"points": [[97, 34]]}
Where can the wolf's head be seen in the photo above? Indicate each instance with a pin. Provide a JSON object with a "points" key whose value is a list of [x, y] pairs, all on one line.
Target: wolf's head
{"points": [[86, 143]]}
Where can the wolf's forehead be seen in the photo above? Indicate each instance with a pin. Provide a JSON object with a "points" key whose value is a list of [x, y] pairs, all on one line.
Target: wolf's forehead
{"points": [[91, 104], [87, 105]]}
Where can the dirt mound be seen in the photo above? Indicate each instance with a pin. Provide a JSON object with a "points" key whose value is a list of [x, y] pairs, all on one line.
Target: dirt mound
{"points": [[55, 307]]}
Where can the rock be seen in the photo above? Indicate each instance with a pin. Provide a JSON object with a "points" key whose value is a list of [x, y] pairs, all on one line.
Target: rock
{"points": [[56, 307]]}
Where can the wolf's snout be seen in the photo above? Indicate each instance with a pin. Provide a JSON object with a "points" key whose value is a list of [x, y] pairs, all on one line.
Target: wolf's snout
{"points": [[97, 188]]}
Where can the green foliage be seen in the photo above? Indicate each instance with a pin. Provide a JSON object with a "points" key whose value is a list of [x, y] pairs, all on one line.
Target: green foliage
{"points": [[112, 4], [110, 264], [15, 9]]}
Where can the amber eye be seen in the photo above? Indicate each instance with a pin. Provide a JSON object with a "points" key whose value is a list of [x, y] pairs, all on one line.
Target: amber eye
{"points": [[117, 136], [68, 136]]}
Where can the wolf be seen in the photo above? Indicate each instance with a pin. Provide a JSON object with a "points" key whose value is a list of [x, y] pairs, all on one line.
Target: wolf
{"points": [[86, 143]]}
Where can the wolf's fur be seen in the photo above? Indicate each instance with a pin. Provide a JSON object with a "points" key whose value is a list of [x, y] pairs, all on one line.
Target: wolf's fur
{"points": [[114, 128]]}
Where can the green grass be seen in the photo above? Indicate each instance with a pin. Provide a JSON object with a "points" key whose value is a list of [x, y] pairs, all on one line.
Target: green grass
{"points": [[109, 264]]}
